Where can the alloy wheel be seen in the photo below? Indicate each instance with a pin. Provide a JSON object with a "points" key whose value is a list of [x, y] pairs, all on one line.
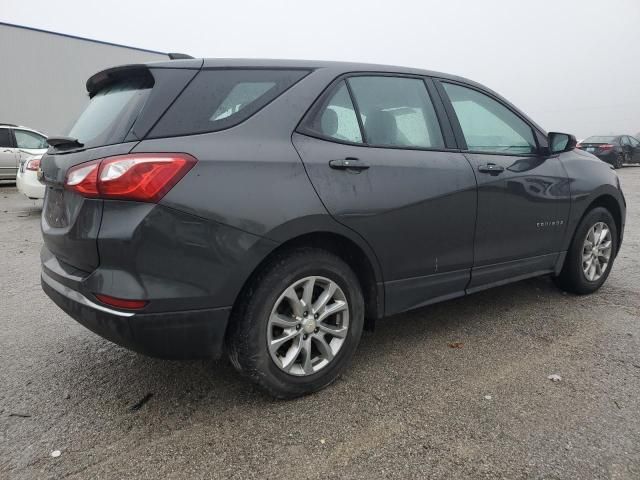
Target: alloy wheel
{"points": [[596, 251], [308, 325]]}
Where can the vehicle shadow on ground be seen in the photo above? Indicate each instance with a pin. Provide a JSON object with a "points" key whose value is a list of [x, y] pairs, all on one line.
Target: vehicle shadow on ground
{"points": [[107, 374]]}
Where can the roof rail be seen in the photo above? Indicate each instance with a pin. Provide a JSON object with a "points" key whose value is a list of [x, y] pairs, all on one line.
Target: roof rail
{"points": [[179, 56]]}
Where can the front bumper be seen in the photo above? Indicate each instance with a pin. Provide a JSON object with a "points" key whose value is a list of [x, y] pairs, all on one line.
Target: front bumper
{"points": [[171, 335]]}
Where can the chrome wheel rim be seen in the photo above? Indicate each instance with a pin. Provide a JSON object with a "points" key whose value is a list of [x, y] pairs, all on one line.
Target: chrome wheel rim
{"points": [[596, 251], [308, 326]]}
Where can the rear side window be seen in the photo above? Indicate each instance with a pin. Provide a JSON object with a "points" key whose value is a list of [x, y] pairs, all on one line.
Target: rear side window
{"points": [[5, 138], [111, 112], [29, 140], [336, 118], [221, 98]]}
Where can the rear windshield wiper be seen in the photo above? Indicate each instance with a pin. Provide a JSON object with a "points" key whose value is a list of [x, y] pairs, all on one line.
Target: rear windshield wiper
{"points": [[64, 142]]}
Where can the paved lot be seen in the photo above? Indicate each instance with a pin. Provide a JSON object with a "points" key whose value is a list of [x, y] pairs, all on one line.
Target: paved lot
{"points": [[410, 406]]}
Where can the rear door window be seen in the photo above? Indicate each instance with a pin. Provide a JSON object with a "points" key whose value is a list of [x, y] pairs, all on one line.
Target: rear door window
{"points": [[396, 112], [29, 140], [5, 138], [221, 98], [111, 112], [335, 118]]}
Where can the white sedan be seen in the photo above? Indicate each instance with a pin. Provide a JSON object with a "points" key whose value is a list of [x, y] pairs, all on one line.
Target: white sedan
{"points": [[27, 177]]}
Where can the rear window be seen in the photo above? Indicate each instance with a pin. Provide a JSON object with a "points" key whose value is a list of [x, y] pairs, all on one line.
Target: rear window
{"points": [[221, 98], [112, 111], [599, 139]]}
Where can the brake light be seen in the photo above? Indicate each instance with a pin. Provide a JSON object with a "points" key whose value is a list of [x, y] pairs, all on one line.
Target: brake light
{"points": [[33, 164], [605, 146], [144, 177], [121, 302]]}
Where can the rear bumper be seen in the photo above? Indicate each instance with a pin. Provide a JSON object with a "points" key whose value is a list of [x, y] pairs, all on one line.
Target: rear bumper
{"points": [[170, 335], [27, 183]]}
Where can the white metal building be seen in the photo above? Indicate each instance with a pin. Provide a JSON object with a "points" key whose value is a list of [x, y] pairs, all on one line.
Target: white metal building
{"points": [[43, 74]]}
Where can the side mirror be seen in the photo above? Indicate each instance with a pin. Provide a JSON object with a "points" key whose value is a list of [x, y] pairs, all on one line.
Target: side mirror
{"points": [[561, 142]]}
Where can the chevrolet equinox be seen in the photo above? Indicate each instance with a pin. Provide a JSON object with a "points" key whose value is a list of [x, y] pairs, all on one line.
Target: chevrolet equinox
{"points": [[272, 210]]}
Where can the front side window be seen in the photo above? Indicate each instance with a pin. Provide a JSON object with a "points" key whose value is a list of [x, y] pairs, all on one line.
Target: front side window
{"points": [[336, 118], [396, 111], [625, 141], [5, 138], [221, 98], [487, 125], [634, 142], [29, 140]]}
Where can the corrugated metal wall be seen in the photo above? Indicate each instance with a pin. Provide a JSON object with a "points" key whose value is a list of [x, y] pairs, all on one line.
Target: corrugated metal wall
{"points": [[43, 75]]}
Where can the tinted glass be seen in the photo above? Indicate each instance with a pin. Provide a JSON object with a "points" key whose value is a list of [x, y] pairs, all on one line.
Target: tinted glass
{"points": [[634, 142], [111, 112], [335, 118], [29, 140], [487, 125], [221, 98], [5, 138], [599, 139], [396, 111], [625, 141]]}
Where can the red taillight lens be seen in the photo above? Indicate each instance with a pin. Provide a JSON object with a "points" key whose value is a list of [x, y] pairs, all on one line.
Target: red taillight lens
{"points": [[33, 165], [121, 302], [144, 177], [606, 146], [83, 179]]}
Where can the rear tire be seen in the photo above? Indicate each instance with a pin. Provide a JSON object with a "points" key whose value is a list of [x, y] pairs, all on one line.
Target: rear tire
{"points": [[267, 312], [580, 273], [617, 163]]}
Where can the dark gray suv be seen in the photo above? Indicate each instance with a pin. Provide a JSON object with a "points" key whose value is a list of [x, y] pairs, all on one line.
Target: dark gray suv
{"points": [[274, 209]]}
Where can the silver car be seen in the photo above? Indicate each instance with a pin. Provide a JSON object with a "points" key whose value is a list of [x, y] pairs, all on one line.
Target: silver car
{"points": [[18, 144]]}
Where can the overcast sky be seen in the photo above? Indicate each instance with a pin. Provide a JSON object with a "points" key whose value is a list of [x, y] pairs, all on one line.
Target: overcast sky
{"points": [[572, 65]]}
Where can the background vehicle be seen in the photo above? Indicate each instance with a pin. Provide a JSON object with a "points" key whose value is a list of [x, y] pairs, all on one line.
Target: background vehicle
{"points": [[615, 150], [269, 207], [17, 144], [27, 178]]}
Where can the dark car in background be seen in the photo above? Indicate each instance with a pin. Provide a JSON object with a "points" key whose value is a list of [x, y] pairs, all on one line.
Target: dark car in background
{"points": [[275, 209], [615, 150]]}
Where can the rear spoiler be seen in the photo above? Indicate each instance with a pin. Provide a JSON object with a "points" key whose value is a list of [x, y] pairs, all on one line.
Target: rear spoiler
{"points": [[101, 79]]}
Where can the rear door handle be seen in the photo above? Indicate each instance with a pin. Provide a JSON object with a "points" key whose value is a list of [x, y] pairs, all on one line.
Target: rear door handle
{"points": [[491, 168], [349, 163]]}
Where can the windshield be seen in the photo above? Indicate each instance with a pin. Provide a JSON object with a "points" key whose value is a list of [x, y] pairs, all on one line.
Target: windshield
{"points": [[111, 112]]}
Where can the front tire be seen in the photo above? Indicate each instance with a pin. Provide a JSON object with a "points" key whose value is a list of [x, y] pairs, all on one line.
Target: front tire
{"points": [[297, 325], [591, 254]]}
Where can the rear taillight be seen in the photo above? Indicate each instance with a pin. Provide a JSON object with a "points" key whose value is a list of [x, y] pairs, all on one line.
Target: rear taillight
{"points": [[605, 146], [33, 164], [144, 177]]}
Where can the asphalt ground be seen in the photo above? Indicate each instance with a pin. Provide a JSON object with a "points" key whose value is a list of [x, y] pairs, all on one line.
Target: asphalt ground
{"points": [[455, 390]]}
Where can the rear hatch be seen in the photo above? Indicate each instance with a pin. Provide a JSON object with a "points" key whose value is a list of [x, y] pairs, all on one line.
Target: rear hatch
{"points": [[125, 103]]}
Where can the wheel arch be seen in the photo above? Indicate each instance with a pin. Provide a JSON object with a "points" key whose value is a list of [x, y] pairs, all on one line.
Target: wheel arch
{"points": [[354, 253], [608, 201]]}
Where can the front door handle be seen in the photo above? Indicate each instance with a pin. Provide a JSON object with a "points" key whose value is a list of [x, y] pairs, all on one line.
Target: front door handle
{"points": [[491, 168], [349, 163]]}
